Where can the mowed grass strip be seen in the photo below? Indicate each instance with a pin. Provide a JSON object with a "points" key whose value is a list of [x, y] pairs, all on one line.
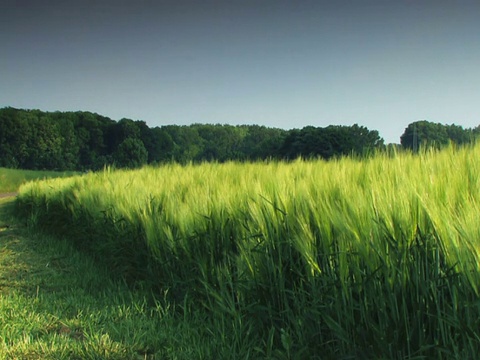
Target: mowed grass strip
{"points": [[12, 179]]}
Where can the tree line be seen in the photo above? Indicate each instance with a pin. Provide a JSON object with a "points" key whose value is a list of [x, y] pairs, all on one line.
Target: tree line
{"points": [[34, 139]]}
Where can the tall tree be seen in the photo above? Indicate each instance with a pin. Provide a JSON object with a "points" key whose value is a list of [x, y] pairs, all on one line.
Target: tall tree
{"points": [[329, 141], [131, 153], [261, 142], [220, 142], [424, 134], [45, 143], [14, 135], [459, 135], [187, 143]]}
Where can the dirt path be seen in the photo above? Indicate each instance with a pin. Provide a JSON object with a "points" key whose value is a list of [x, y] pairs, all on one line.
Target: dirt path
{"points": [[5, 195]]}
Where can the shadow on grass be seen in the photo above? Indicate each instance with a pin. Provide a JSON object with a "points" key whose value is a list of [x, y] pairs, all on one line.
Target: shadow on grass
{"points": [[55, 303], [7, 205]]}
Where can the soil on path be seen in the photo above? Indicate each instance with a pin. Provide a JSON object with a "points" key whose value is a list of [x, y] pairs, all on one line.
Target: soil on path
{"points": [[10, 194]]}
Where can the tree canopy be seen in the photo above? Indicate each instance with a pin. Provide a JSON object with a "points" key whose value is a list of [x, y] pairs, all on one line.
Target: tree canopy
{"points": [[425, 134], [34, 139]]}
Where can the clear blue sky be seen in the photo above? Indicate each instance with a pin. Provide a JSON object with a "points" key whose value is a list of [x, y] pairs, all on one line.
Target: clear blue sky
{"points": [[381, 63]]}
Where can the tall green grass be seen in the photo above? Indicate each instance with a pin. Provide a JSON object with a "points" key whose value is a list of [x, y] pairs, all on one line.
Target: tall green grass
{"points": [[374, 258]]}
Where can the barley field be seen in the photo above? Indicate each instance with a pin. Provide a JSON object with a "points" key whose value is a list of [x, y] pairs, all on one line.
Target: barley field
{"points": [[351, 258]]}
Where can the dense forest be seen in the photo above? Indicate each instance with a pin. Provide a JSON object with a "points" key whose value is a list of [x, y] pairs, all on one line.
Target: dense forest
{"points": [[34, 139]]}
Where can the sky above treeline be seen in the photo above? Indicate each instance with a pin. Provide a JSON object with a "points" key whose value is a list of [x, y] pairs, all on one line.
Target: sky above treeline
{"points": [[381, 63]]}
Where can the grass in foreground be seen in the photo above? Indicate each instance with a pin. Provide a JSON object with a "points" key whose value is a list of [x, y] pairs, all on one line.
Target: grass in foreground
{"points": [[55, 303], [346, 259]]}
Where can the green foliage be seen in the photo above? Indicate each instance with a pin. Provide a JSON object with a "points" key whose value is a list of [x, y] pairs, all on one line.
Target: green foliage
{"points": [[187, 143], [33, 139], [425, 134], [14, 134], [329, 142], [262, 143], [131, 153], [349, 259], [220, 142]]}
